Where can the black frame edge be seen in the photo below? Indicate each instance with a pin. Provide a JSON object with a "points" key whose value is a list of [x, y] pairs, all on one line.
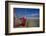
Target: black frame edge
{"points": [[43, 17], [25, 2], [6, 18]]}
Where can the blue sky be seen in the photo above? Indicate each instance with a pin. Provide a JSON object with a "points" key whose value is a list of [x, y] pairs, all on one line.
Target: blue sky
{"points": [[28, 12]]}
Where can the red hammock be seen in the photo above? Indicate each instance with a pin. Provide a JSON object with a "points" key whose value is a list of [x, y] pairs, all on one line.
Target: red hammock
{"points": [[23, 22]]}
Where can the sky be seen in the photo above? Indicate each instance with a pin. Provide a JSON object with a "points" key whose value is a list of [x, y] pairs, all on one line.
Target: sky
{"points": [[26, 12]]}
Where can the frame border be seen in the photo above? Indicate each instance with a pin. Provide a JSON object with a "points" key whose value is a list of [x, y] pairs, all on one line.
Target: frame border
{"points": [[6, 18]]}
